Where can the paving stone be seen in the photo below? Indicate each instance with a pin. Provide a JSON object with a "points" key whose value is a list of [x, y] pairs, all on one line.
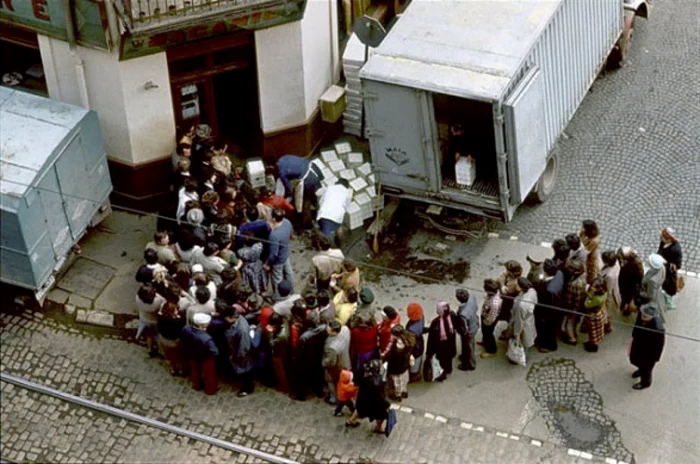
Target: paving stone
{"points": [[100, 318], [58, 296], [79, 301], [81, 315]]}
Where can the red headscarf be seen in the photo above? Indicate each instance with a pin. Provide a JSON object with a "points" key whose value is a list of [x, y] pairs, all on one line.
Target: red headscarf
{"points": [[415, 312]]}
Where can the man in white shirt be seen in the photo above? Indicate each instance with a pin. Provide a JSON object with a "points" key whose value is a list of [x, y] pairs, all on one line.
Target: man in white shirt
{"points": [[332, 207]]}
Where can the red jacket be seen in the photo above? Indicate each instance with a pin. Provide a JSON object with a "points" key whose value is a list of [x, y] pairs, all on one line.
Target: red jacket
{"points": [[385, 332], [276, 201], [362, 340], [346, 390]]}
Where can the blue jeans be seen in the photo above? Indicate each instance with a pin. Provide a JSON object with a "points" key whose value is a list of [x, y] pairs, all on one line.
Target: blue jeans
{"points": [[328, 228], [280, 272], [340, 404]]}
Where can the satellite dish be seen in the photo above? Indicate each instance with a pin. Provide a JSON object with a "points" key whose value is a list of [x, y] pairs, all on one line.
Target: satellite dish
{"points": [[369, 30]]}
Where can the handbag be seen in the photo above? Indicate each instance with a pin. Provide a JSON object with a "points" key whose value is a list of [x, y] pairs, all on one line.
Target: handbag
{"points": [[390, 422], [428, 371], [680, 283], [516, 352]]}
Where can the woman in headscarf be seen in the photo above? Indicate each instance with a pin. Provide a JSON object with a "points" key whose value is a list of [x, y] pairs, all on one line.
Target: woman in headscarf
{"points": [[595, 314], [371, 398], [416, 325], [670, 250], [442, 339], [510, 290], [611, 274], [590, 238], [651, 290], [363, 341], [523, 318], [631, 273], [398, 359], [252, 268]]}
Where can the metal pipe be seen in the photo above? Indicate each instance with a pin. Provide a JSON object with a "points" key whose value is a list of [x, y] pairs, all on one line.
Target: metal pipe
{"points": [[29, 385], [501, 159], [72, 45]]}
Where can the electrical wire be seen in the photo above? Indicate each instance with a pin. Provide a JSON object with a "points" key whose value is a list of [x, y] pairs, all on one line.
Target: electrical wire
{"points": [[369, 265]]}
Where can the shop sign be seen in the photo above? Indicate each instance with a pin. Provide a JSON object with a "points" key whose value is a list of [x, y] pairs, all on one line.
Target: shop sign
{"points": [[133, 46], [48, 17]]}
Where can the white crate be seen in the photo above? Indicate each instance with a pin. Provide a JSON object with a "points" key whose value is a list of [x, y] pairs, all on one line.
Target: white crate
{"points": [[336, 166], [365, 204], [355, 158], [326, 172], [371, 191], [365, 170], [358, 184], [330, 180], [371, 179], [329, 156], [353, 216], [256, 172], [348, 174], [466, 172], [343, 148]]}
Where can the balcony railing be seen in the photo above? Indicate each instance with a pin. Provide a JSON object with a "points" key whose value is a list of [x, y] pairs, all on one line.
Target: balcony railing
{"points": [[144, 14]]}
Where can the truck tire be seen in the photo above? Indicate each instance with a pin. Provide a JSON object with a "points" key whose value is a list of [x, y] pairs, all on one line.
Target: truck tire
{"points": [[545, 186]]}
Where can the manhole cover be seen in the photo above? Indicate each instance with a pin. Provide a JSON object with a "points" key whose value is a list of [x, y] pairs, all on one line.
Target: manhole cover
{"points": [[86, 278]]}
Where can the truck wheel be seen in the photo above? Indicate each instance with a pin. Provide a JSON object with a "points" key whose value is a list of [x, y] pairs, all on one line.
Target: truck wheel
{"points": [[545, 186]]}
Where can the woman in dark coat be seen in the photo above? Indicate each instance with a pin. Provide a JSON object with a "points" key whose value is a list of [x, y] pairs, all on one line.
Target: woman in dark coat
{"points": [[630, 278], [670, 250], [416, 325], [648, 337], [371, 398], [442, 339]]}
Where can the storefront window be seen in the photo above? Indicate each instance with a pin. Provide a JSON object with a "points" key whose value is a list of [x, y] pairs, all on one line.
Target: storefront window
{"points": [[20, 66]]}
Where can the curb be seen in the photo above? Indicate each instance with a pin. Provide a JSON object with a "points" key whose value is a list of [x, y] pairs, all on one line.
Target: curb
{"points": [[501, 434], [515, 238]]}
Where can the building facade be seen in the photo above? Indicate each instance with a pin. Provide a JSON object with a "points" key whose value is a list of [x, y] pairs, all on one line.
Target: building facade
{"points": [[252, 69]]}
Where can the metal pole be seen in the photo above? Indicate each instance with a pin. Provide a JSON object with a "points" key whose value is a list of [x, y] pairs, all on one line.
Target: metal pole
{"points": [[29, 385]]}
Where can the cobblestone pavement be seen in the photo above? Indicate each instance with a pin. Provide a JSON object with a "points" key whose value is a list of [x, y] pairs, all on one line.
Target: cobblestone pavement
{"points": [[39, 428], [108, 370], [632, 157]]}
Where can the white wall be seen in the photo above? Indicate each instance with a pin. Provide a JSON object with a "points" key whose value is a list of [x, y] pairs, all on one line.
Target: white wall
{"points": [[280, 77], [319, 32], [137, 125], [149, 113], [294, 66]]}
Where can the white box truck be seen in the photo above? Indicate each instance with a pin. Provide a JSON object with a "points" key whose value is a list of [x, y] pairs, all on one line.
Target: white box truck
{"points": [[508, 74]]}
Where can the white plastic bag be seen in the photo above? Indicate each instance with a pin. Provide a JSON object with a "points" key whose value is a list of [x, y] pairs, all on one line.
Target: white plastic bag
{"points": [[437, 368], [516, 352]]}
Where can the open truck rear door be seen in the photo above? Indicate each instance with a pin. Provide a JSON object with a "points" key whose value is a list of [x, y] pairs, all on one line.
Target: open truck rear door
{"points": [[525, 136], [403, 159]]}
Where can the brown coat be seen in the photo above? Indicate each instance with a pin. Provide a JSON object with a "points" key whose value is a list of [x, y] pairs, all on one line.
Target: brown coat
{"points": [[593, 259]]}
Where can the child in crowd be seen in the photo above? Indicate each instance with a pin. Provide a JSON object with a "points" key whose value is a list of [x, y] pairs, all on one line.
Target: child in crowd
{"points": [[346, 393]]}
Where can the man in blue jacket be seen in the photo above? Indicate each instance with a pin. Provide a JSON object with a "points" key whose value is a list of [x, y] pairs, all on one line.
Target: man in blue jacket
{"points": [[291, 167], [278, 261]]}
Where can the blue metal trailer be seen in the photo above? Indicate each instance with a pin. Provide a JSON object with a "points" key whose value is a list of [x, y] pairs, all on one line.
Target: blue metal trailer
{"points": [[54, 184]]}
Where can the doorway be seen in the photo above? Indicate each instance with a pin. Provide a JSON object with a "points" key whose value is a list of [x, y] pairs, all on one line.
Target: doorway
{"points": [[474, 121], [21, 66], [214, 82]]}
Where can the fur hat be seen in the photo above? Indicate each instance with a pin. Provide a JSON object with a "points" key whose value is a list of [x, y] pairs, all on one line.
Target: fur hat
{"points": [[201, 319], [656, 261]]}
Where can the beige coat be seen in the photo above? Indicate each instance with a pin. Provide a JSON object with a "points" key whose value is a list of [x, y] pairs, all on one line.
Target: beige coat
{"points": [[611, 275]]}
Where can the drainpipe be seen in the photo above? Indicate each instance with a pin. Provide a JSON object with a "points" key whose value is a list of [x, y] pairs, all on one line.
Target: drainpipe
{"points": [[79, 65], [331, 21], [502, 159]]}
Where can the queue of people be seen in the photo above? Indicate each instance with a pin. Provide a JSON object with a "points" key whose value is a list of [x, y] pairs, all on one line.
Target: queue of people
{"points": [[219, 299]]}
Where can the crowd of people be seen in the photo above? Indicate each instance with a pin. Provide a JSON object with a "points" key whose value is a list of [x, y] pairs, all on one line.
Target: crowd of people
{"points": [[218, 297]]}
